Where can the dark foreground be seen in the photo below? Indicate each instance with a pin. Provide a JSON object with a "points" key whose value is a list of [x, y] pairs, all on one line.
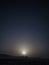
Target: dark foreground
{"points": [[11, 60]]}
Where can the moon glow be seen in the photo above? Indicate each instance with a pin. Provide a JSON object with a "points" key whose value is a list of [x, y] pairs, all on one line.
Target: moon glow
{"points": [[24, 52]]}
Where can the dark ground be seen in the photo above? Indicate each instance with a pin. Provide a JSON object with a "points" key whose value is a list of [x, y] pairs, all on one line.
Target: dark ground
{"points": [[12, 60]]}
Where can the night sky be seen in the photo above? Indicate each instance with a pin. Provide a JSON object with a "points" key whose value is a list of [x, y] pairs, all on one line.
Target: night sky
{"points": [[24, 25]]}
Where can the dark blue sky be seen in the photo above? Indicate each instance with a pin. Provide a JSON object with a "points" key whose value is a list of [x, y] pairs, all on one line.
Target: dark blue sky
{"points": [[24, 22]]}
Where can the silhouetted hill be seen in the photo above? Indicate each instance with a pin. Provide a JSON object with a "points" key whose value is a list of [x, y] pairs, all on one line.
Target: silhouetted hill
{"points": [[21, 60], [4, 56]]}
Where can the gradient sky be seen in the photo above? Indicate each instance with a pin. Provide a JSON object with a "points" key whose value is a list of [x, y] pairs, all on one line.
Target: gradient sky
{"points": [[24, 24]]}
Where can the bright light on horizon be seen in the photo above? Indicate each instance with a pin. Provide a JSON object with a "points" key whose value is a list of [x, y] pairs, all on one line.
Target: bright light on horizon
{"points": [[24, 49], [23, 52]]}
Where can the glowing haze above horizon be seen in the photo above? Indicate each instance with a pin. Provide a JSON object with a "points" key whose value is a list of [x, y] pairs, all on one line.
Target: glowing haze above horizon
{"points": [[24, 29]]}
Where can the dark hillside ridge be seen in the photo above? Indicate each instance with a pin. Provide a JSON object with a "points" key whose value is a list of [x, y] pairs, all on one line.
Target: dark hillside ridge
{"points": [[21, 60]]}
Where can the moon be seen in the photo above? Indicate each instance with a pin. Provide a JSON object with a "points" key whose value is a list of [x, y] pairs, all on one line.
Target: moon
{"points": [[24, 53], [23, 49]]}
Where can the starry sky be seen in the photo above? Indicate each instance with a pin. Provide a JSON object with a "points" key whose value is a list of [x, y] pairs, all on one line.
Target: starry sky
{"points": [[24, 24]]}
